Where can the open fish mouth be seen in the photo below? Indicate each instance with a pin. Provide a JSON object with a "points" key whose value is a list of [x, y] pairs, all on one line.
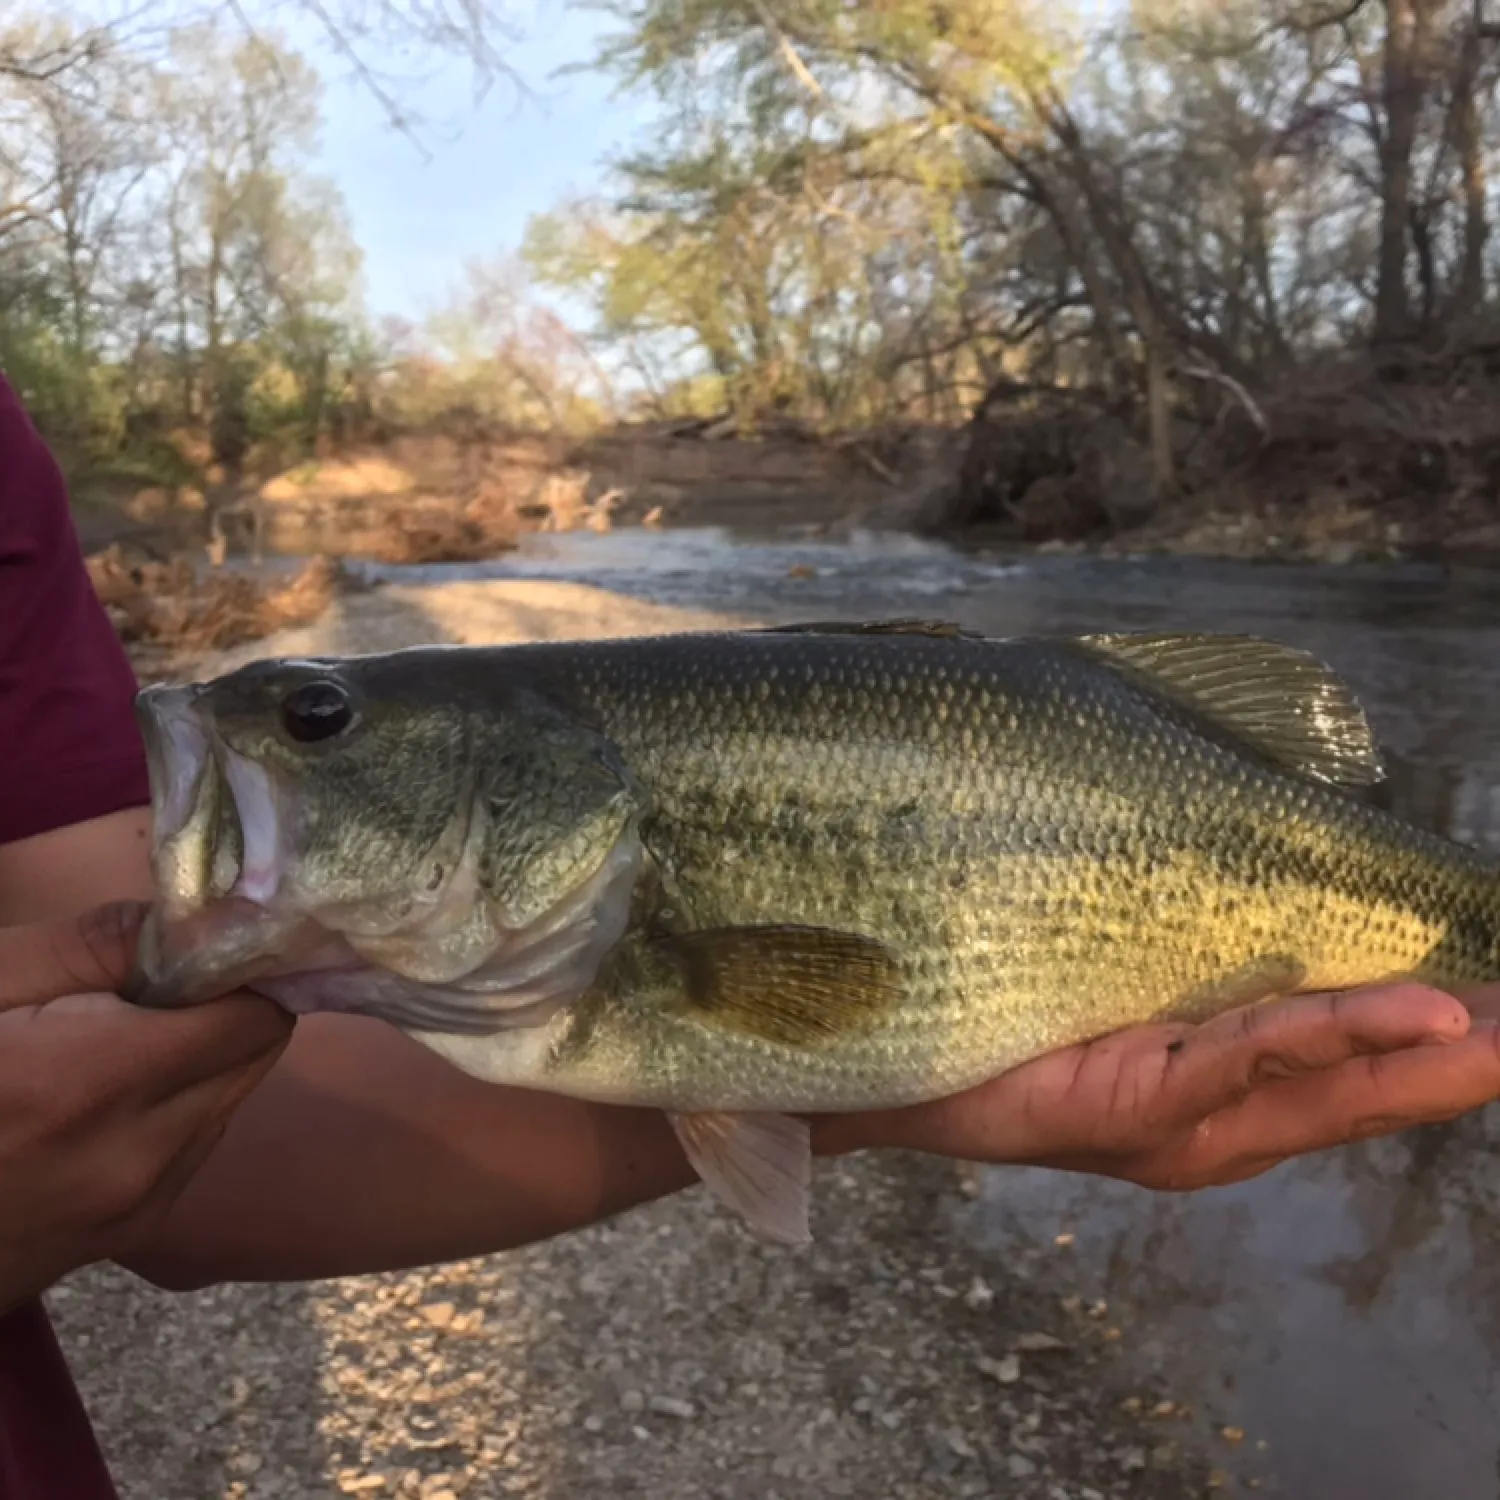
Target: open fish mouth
{"points": [[219, 824], [178, 755], [189, 802]]}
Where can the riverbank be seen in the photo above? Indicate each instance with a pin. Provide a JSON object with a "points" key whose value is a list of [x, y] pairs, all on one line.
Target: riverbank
{"points": [[1366, 481]]}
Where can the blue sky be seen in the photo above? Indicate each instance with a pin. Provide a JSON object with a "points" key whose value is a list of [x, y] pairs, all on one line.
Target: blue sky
{"points": [[491, 164]]}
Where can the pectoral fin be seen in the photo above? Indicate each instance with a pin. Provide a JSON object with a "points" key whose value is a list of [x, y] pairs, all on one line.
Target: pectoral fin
{"points": [[798, 986], [760, 1165]]}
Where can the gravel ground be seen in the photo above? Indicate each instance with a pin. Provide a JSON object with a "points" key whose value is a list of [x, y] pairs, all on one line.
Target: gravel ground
{"points": [[665, 1354], [662, 1355]]}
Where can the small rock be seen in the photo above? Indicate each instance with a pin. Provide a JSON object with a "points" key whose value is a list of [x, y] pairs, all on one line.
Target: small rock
{"points": [[593, 1423], [1037, 1343], [1217, 1479], [1133, 1460], [673, 1406], [980, 1293], [1062, 1241], [1007, 1371], [942, 1463], [1020, 1466], [439, 1314], [1235, 1435], [960, 1444]]}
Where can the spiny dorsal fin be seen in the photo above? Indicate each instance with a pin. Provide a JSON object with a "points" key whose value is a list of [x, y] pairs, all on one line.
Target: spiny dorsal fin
{"points": [[1283, 702], [800, 986], [944, 629]]}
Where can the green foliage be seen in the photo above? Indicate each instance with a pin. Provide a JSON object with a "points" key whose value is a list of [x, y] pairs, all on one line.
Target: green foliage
{"points": [[868, 211], [165, 258]]}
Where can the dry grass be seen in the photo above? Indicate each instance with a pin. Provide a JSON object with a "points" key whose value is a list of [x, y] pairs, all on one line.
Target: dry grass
{"points": [[432, 531], [172, 605]]}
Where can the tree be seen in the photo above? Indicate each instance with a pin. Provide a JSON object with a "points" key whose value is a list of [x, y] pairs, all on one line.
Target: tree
{"points": [[1180, 193], [161, 243]]}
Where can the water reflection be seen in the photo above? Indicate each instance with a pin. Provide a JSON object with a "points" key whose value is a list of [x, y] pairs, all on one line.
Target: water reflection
{"points": [[1344, 1309]]}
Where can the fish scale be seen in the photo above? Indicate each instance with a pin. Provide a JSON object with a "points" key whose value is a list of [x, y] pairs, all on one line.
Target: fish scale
{"points": [[837, 866], [1075, 859]]}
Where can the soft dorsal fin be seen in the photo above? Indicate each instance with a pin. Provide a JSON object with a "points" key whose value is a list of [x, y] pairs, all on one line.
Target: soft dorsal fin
{"points": [[1282, 702], [944, 629]]}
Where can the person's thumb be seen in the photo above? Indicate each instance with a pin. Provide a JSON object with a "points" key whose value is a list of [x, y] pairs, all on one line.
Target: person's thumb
{"points": [[70, 956]]}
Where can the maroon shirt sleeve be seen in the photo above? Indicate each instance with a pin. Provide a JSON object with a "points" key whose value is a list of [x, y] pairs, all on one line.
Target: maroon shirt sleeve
{"points": [[69, 751], [69, 747]]}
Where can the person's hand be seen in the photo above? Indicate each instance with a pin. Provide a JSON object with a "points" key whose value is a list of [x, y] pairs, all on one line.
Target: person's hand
{"points": [[1179, 1107], [106, 1111]]}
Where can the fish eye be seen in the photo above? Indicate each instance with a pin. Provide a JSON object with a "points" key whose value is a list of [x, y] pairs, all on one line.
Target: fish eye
{"points": [[316, 711]]}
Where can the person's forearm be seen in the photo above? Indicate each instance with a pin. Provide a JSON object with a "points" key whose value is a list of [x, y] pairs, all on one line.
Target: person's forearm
{"points": [[363, 1152]]}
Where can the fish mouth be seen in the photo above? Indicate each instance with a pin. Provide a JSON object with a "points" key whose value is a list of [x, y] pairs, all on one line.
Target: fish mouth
{"points": [[253, 793], [186, 796], [217, 847], [177, 754], [218, 819]]}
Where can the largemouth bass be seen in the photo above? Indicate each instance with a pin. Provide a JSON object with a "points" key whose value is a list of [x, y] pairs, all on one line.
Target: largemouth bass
{"points": [[747, 875]]}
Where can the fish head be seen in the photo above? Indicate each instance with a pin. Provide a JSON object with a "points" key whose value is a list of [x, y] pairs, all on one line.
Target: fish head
{"points": [[289, 785], [370, 835]]}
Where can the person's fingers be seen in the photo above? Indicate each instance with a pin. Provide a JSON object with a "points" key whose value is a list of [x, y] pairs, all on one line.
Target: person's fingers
{"points": [[73, 956], [191, 1123], [157, 1151], [1143, 1087], [1364, 1097], [1225, 1059], [153, 1055]]}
